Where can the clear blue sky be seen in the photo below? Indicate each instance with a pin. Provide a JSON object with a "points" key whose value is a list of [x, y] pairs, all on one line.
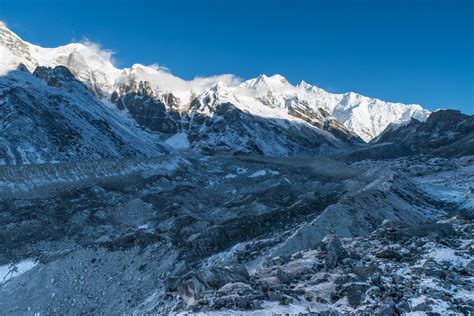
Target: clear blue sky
{"points": [[416, 51]]}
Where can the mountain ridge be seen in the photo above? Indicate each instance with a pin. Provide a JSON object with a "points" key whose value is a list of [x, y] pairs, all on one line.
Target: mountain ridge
{"points": [[448, 133], [367, 117]]}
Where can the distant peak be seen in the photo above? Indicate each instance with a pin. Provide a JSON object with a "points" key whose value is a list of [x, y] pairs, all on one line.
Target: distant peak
{"points": [[217, 87], [268, 82], [304, 85], [278, 77], [261, 79], [3, 25]]}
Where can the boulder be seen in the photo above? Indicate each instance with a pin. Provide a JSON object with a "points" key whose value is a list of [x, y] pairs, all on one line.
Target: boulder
{"points": [[469, 268], [356, 293], [283, 276], [193, 285], [389, 254], [334, 251], [436, 230], [216, 277], [191, 290]]}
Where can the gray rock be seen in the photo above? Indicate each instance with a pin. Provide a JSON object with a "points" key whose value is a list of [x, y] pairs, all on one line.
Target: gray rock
{"points": [[192, 287], [366, 271], [389, 254], [216, 277], [467, 215], [404, 307], [356, 293], [423, 307], [191, 290], [283, 276], [469, 268], [387, 310], [237, 288], [436, 230], [334, 252]]}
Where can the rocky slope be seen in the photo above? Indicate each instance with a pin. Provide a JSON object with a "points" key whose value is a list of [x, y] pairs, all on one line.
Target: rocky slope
{"points": [[49, 116], [445, 133], [216, 234], [397, 269]]}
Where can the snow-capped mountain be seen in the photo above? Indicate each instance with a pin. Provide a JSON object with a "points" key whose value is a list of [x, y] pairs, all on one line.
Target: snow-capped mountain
{"points": [[49, 116], [265, 96], [212, 122]]}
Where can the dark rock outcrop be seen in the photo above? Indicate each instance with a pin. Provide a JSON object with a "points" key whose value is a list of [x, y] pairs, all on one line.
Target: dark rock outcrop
{"points": [[448, 133]]}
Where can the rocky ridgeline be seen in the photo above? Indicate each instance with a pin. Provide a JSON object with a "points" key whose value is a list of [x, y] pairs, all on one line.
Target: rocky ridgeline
{"points": [[397, 269]]}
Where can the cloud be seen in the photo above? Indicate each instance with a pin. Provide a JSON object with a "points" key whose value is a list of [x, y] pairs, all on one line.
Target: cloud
{"points": [[97, 50], [162, 79]]}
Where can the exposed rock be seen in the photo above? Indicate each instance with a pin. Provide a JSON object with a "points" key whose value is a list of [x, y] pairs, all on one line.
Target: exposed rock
{"points": [[216, 277], [191, 290], [389, 254], [334, 252], [387, 310], [437, 230], [356, 294], [283, 276], [446, 133], [469, 268], [192, 286]]}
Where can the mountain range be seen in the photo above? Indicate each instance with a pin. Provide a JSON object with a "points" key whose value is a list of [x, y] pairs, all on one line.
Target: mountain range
{"points": [[265, 115]]}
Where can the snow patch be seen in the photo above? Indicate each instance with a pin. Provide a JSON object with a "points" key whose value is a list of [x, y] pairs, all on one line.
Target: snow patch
{"points": [[258, 173], [178, 141], [10, 271]]}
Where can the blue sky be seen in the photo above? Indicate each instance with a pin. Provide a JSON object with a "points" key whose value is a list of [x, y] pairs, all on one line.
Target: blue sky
{"points": [[417, 51]]}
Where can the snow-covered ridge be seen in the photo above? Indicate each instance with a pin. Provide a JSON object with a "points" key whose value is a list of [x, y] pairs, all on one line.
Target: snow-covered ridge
{"points": [[267, 96]]}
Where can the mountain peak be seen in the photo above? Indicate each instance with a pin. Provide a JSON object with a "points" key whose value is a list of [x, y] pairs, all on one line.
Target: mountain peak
{"points": [[273, 82], [279, 78], [304, 85]]}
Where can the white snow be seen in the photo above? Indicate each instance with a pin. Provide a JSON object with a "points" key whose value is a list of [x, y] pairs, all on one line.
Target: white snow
{"points": [[178, 141], [452, 185], [258, 173], [264, 96], [10, 271], [268, 308], [447, 254]]}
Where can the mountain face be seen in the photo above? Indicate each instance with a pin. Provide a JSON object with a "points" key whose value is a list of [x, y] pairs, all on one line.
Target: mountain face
{"points": [[347, 116], [49, 116], [212, 122], [88, 63], [445, 133]]}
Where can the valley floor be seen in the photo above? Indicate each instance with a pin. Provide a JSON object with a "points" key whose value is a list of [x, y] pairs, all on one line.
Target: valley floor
{"points": [[238, 235]]}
